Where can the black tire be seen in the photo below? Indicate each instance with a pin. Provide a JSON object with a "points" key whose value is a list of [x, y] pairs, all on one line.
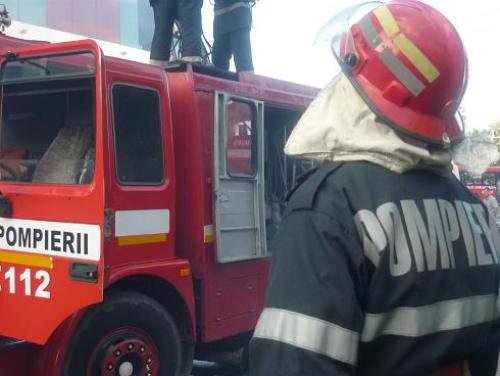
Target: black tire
{"points": [[124, 310], [244, 365]]}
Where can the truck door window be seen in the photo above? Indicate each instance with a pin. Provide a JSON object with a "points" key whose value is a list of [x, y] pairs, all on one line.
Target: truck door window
{"points": [[240, 153], [48, 131], [138, 135]]}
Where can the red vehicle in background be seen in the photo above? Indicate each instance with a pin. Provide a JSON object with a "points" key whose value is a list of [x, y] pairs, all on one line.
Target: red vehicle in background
{"points": [[476, 184], [479, 190], [136, 205]]}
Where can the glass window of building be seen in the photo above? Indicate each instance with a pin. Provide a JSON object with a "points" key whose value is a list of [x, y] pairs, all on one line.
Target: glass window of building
{"points": [[126, 22]]}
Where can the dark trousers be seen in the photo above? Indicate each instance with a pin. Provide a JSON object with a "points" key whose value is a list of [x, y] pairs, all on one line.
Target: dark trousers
{"points": [[235, 43], [188, 12]]}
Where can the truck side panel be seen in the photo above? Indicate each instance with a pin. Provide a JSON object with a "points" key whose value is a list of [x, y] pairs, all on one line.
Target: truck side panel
{"points": [[231, 295]]}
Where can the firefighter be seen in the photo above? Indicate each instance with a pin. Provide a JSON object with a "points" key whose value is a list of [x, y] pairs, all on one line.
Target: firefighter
{"points": [[188, 12], [232, 25], [490, 201], [385, 264]]}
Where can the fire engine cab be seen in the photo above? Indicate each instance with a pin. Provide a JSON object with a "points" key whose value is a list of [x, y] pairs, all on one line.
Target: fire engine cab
{"points": [[136, 206]]}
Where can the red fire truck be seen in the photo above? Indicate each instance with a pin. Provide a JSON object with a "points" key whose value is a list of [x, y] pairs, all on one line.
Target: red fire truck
{"points": [[135, 209], [477, 184]]}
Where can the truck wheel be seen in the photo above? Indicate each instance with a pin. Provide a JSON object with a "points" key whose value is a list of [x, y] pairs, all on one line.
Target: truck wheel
{"points": [[129, 334]]}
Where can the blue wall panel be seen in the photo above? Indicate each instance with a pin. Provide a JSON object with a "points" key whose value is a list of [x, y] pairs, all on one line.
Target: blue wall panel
{"points": [[29, 11], [129, 22]]}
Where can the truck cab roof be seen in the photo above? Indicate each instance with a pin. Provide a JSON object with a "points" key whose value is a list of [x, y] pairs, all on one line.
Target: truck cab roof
{"points": [[268, 89]]}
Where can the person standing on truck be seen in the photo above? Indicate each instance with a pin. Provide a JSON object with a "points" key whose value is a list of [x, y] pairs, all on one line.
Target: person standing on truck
{"points": [[490, 202], [385, 264], [232, 25], [188, 12]]}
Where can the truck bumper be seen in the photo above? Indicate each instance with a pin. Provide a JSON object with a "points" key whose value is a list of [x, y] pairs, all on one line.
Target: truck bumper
{"points": [[15, 356]]}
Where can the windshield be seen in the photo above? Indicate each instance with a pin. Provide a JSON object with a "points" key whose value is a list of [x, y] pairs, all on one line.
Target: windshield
{"points": [[47, 134], [49, 67]]}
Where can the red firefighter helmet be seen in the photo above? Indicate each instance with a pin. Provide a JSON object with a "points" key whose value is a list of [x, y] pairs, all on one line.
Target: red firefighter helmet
{"points": [[408, 63]]}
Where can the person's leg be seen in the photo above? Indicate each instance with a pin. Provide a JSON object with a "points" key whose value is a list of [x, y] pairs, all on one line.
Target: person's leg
{"points": [[242, 49], [164, 15], [221, 51], [190, 20]]}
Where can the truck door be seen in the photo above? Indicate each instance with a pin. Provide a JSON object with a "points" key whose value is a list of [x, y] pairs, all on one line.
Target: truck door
{"points": [[239, 182], [51, 186]]}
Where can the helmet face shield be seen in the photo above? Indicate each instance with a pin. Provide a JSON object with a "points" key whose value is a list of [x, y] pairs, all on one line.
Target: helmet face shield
{"points": [[338, 30], [406, 61]]}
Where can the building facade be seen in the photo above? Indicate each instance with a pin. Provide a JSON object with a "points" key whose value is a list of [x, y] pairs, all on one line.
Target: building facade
{"points": [[124, 22]]}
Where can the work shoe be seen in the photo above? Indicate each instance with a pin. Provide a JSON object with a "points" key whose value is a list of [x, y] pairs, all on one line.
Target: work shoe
{"points": [[191, 59], [159, 63]]}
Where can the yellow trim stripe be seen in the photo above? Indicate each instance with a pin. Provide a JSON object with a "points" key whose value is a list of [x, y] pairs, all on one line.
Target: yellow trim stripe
{"points": [[417, 57], [26, 259], [186, 272], [209, 238], [387, 20], [142, 239]]}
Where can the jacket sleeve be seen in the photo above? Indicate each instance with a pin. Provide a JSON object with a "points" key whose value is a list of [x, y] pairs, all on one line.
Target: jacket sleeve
{"points": [[313, 317], [486, 361]]}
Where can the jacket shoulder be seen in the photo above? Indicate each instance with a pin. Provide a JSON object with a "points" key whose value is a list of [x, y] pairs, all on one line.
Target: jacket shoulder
{"points": [[303, 195]]}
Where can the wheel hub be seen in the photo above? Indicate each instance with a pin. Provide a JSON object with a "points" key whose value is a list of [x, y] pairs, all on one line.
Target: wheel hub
{"points": [[126, 369], [125, 352]]}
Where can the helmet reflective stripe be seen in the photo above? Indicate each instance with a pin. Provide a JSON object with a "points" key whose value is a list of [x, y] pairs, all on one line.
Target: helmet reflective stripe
{"points": [[405, 45], [401, 71], [417, 57], [369, 32], [396, 66], [387, 20]]}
